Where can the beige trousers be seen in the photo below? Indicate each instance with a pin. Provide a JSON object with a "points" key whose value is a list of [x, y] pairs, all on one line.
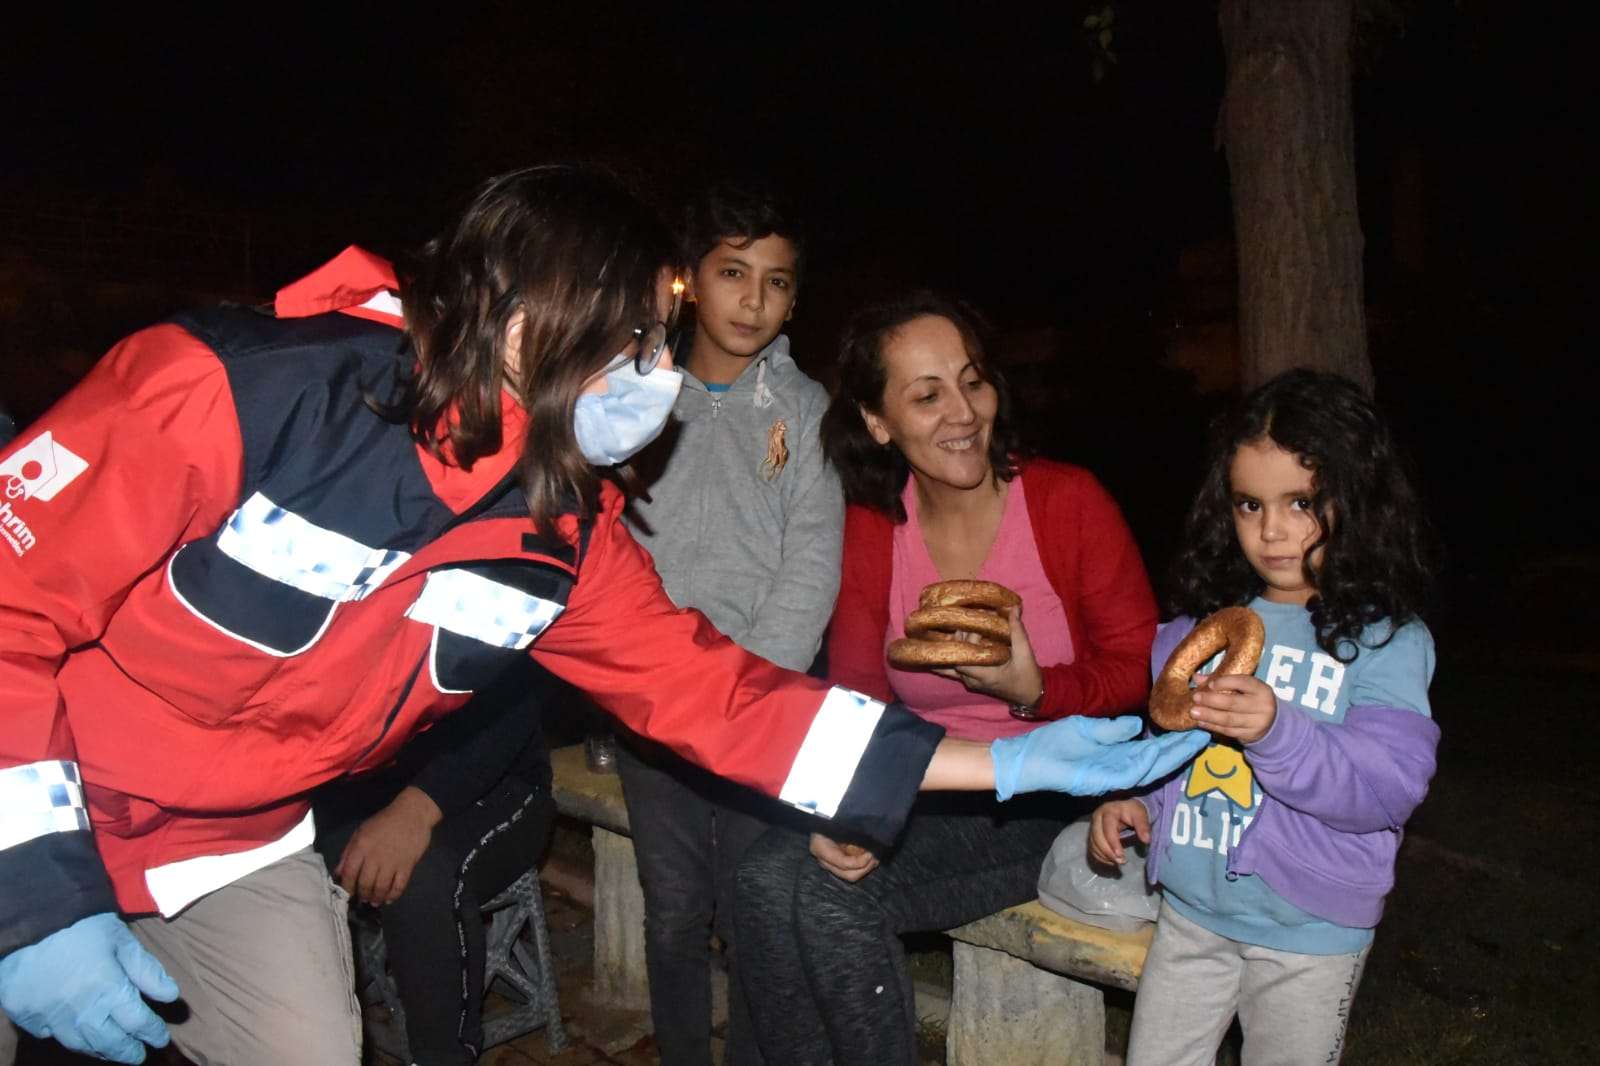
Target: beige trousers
{"points": [[263, 966]]}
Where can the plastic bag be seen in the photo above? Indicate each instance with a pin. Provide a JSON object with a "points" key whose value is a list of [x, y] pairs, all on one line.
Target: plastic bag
{"points": [[1116, 897]]}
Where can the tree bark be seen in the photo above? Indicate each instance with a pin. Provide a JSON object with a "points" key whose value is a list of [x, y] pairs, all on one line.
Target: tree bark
{"points": [[1287, 127]]}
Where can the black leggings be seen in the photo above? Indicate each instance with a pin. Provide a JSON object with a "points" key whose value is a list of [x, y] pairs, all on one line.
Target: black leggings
{"points": [[435, 937], [823, 966]]}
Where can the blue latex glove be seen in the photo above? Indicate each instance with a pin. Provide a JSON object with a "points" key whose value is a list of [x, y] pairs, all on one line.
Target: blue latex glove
{"points": [[81, 985], [1089, 756]]}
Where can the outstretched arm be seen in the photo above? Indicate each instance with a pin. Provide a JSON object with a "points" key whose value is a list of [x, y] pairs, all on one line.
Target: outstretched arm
{"points": [[666, 673]]}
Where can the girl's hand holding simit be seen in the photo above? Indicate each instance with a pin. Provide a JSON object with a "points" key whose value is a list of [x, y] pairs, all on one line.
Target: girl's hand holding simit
{"points": [[1239, 706]]}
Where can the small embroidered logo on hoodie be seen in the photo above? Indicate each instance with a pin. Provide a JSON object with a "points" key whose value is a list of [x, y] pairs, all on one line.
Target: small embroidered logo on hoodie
{"points": [[777, 450]]}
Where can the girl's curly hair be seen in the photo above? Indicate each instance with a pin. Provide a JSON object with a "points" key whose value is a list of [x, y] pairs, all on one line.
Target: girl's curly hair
{"points": [[1377, 553]]}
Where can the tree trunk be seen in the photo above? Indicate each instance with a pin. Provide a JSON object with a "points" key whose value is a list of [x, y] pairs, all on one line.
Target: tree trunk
{"points": [[1287, 127]]}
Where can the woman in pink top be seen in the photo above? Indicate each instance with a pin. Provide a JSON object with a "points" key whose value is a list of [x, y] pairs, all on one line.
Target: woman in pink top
{"points": [[936, 490]]}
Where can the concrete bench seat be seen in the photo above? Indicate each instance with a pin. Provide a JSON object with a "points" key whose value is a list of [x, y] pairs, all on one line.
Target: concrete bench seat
{"points": [[1028, 981], [620, 980], [1028, 987]]}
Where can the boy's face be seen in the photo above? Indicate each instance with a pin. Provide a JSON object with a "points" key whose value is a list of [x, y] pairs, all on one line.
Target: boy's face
{"points": [[744, 295]]}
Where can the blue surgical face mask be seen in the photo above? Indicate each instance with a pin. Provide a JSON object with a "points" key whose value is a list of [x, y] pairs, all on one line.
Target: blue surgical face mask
{"points": [[613, 426]]}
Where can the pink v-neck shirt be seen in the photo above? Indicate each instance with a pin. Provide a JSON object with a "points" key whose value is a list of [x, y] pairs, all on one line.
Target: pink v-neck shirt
{"points": [[1013, 561]]}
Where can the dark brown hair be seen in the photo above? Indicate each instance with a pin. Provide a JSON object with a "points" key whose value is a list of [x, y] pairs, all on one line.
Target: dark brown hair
{"points": [[874, 475], [740, 213], [579, 255]]}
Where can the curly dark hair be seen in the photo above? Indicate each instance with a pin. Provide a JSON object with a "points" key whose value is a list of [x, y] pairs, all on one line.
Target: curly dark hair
{"points": [[1377, 552], [874, 475]]}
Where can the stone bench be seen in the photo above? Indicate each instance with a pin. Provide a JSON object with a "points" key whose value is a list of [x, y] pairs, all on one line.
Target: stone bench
{"points": [[1027, 980], [1028, 987], [619, 969]]}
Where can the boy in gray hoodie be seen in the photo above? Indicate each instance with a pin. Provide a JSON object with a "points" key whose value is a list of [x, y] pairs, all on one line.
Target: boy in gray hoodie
{"points": [[745, 520]]}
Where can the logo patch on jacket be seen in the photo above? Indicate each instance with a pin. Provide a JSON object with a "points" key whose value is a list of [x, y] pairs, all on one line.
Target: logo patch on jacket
{"points": [[39, 469]]}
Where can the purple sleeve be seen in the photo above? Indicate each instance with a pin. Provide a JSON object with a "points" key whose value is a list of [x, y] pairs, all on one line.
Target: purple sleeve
{"points": [[1153, 802], [1363, 776]]}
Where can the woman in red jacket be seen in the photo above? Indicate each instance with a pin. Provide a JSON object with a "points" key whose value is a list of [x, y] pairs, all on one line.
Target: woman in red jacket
{"points": [[918, 428]]}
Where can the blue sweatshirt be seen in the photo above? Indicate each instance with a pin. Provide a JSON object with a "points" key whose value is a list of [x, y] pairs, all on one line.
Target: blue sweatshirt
{"points": [[1291, 843]]}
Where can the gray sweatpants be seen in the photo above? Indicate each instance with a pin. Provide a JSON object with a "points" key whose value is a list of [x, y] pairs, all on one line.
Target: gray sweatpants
{"points": [[1293, 1008], [264, 967]]}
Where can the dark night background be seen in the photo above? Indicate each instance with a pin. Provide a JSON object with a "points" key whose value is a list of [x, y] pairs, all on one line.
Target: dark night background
{"points": [[147, 165], [152, 162]]}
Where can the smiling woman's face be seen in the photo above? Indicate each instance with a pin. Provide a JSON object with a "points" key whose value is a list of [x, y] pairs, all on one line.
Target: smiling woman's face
{"points": [[936, 407]]}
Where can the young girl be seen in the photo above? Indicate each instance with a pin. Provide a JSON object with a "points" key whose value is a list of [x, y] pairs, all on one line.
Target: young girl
{"points": [[1275, 848]]}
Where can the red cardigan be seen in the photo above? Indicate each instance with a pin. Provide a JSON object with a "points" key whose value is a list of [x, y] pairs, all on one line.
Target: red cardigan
{"points": [[1091, 561]]}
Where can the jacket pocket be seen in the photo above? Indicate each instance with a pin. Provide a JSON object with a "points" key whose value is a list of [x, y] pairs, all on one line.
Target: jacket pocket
{"points": [[484, 617], [273, 579], [234, 600]]}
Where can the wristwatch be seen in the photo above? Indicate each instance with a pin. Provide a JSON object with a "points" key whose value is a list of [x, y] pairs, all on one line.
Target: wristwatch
{"points": [[1028, 712]]}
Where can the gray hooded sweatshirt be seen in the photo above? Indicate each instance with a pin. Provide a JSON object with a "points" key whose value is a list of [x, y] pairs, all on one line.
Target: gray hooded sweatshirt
{"points": [[751, 541]]}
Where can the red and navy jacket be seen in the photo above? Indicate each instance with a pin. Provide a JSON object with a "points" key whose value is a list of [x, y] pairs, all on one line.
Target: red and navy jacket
{"points": [[225, 580]]}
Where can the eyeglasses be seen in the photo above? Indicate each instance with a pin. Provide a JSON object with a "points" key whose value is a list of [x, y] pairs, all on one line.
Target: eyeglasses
{"points": [[653, 341]]}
